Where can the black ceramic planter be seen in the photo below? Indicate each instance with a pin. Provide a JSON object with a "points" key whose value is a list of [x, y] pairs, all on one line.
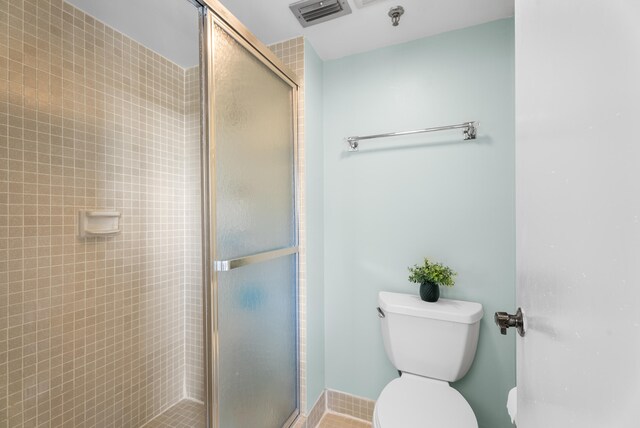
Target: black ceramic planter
{"points": [[429, 292]]}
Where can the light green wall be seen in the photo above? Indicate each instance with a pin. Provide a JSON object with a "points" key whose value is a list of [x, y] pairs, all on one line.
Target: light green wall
{"points": [[314, 194], [428, 195]]}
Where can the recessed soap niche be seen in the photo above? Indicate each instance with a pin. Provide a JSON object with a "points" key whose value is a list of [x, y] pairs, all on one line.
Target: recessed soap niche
{"points": [[98, 223]]}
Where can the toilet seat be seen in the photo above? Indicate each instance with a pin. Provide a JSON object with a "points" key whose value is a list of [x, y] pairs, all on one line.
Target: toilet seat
{"points": [[417, 402]]}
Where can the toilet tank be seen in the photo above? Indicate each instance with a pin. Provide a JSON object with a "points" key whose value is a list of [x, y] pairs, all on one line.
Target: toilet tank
{"points": [[435, 340]]}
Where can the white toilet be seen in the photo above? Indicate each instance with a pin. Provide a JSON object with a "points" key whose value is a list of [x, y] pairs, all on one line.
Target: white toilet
{"points": [[432, 344]]}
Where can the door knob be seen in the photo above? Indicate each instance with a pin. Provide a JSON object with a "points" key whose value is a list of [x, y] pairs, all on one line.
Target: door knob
{"points": [[505, 321]]}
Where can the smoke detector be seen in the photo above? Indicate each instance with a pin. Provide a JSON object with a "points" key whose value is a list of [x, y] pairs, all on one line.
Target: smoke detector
{"points": [[312, 12]]}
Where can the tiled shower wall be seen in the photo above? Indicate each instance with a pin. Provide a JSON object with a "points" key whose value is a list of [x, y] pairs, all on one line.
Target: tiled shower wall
{"points": [[96, 332], [194, 347]]}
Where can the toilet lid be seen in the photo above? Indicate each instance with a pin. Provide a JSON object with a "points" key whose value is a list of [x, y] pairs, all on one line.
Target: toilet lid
{"points": [[416, 402]]}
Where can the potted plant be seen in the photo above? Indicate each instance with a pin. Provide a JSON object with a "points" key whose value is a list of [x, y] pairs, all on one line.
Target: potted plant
{"points": [[430, 276]]}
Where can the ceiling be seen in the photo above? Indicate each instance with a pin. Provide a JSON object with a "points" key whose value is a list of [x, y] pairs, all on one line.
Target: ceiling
{"points": [[168, 27], [369, 27]]}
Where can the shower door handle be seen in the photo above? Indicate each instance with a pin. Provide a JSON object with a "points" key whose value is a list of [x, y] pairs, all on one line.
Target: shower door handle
{"points": [[227, 265]]}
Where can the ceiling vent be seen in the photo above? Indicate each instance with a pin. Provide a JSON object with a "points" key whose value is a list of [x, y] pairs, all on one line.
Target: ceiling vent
{"points": [[312, 12]]}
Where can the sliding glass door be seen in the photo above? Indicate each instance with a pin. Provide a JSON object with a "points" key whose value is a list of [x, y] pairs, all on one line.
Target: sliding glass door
{"points": [[253, 236]]}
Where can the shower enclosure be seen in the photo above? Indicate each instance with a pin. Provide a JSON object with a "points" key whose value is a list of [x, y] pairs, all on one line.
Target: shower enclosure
{"points": [[173, 131], [250, 201]]}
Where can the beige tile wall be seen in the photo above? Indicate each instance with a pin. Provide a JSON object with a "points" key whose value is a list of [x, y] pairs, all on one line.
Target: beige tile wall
{"points": [[92, 332], [317, 411], [193, 300], [338, 409], [347, 404]]}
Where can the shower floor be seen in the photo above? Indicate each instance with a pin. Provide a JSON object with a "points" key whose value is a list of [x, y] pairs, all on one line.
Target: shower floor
{"points": [[183, 414]]}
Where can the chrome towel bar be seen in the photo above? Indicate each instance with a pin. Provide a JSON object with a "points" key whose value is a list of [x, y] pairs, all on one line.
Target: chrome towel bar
{"points": [[469, 133], [226, 265]]}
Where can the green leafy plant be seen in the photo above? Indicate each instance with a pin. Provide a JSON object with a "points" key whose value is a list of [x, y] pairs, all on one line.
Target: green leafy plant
{"points": [[436, 273]]}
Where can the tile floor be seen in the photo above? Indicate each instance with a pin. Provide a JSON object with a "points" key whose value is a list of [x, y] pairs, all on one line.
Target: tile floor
{"points": [[333, 420], [184, 414]]}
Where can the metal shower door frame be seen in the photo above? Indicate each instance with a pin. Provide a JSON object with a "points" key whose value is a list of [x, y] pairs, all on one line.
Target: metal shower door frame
{"points": [[214, 13]]}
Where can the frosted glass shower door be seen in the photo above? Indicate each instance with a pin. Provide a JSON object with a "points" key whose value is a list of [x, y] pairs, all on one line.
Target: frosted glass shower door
{"points": [[254, 238]]}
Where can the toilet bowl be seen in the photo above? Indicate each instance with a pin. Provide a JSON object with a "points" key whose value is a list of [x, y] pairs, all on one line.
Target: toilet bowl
{"points": [[432, 344], [412, 401]]}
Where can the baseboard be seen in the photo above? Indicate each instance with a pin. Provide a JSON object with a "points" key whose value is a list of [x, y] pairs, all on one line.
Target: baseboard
{"points": [[350, 405], [331, 401], [317, 410]]}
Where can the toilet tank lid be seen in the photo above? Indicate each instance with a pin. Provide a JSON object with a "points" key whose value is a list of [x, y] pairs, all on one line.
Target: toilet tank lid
{"points": [[444, 309]]}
